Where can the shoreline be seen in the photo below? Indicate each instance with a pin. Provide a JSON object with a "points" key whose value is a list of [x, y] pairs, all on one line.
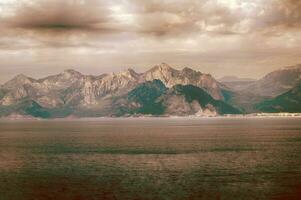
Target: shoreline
{"points": [[247, 116]]}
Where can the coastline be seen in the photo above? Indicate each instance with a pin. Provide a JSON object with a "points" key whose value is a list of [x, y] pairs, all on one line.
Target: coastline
{"points": [[229, 116]]}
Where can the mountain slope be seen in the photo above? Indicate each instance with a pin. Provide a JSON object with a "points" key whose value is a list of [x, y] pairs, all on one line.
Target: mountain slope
{"points": [[29, 107], [238, 85], [144, 99], [227, 79], [69, 87], [247, 95], [171, 77], [2, 92], [25, 107], [193, 93], [276, 82], [288, 102], [152, 97]]}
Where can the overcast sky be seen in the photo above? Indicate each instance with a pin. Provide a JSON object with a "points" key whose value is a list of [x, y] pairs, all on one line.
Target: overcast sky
{"points": [[247, 38]]}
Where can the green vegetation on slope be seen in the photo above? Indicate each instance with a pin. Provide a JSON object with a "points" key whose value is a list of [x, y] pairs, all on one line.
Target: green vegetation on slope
{"points": [[146, 95], [192, 93], [2, 92], [32, 108], [25, 107], [287, 102]]}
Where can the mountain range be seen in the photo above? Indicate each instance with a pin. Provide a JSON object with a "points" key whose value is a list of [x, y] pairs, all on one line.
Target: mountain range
{"points": [[160, 91]]}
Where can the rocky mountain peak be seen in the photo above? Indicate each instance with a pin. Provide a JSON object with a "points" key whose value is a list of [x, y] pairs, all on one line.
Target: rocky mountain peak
{"points": [[163, 67], [130, 73], [190, 72], [17, 81], [21, 76], [71, 73], [171, 77]]}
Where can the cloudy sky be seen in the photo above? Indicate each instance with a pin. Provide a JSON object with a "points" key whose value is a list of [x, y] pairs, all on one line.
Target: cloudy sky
{"points": [[247, 38]]}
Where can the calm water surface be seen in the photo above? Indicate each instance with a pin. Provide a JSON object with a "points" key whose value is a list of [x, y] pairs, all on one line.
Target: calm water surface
{"points": [[151, 159]]}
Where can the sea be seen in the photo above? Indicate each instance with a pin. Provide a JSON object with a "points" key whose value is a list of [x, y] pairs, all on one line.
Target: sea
{"points": [[151, 158]]}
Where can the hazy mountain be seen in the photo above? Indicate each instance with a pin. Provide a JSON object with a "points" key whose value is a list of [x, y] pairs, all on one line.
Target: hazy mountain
{"points": [[246, 95], [276, 82], [236, 84], [271, 85], [226, 79], [244, 100], [288, 102]]}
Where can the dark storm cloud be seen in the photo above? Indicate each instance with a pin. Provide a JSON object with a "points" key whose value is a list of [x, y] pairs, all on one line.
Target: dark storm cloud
{"points": [[56, 24], [56, 16], [153, 17]]}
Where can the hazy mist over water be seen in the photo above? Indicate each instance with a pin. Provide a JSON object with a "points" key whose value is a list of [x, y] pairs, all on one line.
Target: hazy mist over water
{"points": [[153, 158]]}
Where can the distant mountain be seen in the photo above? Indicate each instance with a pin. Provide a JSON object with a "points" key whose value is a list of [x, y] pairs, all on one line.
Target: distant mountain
{"points": [[227, 79], [244, 100], [247, 95], [162, 90], [276, 82], [288, 102], [236, 84]]}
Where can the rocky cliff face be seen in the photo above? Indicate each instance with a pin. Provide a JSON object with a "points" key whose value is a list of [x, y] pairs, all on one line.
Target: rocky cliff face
{"points": [[107, 86], [47, 92], [69, 86], [171, 77]]}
